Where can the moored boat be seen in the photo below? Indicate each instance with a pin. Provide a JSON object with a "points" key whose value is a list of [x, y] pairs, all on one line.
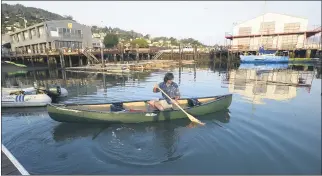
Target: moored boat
{"points": [[54, 92], [265, 58], [18, 65], [135, 111], [21, 100]]}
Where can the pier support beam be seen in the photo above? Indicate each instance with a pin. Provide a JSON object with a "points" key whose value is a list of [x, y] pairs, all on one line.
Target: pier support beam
{"points": [[80, 61], [171, 56], [48, 62], [114, 57], [70, 61], [62, 61], [32, 61], [180, 52]]}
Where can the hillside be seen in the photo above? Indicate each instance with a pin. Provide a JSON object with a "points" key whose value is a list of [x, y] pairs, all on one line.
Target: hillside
{"points": [[12, 17]]}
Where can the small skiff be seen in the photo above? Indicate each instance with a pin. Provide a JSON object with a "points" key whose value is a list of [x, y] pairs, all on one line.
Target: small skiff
{"points": [[22, 100], [30, 97], [135, 111], [55, 92]]}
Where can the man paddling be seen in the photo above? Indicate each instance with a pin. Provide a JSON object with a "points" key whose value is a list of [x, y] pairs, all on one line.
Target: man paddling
{"points": [[169, 87]]}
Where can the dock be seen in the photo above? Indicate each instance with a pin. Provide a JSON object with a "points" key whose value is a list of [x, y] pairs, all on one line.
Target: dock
{"points": [[10, 165], [132, 66]]}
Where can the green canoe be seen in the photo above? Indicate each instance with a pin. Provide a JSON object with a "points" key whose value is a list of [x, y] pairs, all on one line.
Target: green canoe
{"points": [[135, 111]]}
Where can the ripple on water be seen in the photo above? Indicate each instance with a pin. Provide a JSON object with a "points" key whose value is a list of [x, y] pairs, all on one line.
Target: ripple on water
{"points": [[138, 146]]}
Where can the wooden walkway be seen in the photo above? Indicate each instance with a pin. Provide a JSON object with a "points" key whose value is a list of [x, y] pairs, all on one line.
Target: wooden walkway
{"points": [[10, 165]]}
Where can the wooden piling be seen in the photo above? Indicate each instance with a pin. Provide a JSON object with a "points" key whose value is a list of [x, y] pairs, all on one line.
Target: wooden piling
{"points": [[180, 53], [80, 61], [172, 54], [48, 62], [32, 61], [62, 60], [102, 57], [70, 61], [114, 57], [195, 52]]}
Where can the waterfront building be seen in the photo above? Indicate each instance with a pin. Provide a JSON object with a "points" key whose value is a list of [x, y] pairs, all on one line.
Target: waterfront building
{"points": [[275, 32], [50, 35]]}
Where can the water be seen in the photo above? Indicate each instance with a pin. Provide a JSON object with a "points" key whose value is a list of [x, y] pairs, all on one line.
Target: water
{"points": [[273, 125]]}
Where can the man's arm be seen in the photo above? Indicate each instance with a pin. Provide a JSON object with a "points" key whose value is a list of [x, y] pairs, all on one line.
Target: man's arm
{"points": [[177, 94], [155, 88]]}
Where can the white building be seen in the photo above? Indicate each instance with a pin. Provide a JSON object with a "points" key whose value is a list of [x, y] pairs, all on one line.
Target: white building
{"points": [[273, 31]]}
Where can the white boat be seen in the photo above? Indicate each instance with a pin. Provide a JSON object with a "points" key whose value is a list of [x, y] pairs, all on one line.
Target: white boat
{"points": [[23, 100], [57, 92], [30, 97]]}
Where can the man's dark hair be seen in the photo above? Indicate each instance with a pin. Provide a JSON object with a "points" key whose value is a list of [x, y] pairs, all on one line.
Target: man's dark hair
{"points": [[168, 76]]}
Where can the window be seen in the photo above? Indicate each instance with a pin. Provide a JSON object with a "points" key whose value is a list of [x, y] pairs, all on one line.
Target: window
{"points": [[260, 89], [78, 33], [289, 41], [281, 89], [33, 32], [60, 31], [245, 31], [26, 35], [243, 43], [56, 44], [41, 30], [53, 29], [20, 37], [267, 42], [267, 27], [291, 27]]}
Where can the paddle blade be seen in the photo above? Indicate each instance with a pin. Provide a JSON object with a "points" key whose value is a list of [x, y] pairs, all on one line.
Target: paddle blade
{"points": [[193, 119]]}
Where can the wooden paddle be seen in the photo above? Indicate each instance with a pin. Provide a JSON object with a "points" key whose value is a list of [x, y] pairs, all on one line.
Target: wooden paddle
{"points": [[193, 119]]}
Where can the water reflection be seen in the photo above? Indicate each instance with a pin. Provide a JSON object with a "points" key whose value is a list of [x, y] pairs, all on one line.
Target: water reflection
{"points": [[254, 82], [134, 144], [70, 131], [271, 145], [273, 81]]}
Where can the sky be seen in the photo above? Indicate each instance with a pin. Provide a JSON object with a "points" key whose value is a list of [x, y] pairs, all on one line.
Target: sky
{"points": [[206, 21]]}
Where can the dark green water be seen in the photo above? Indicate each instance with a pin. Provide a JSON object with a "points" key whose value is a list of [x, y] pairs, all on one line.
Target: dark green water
{"points": [[273, 125]]}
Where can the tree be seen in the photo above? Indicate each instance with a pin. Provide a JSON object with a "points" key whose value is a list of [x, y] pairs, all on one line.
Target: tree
{"points": [[141, 42], [68, 17], [110, 40], [191, 41], [174, 41], [147, 36]]}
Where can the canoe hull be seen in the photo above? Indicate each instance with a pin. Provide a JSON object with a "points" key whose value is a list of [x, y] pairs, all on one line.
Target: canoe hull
{"points": [[62, 114]]}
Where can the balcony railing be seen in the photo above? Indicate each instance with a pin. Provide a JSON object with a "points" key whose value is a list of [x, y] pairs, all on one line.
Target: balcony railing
{"points": [[274, 47]]}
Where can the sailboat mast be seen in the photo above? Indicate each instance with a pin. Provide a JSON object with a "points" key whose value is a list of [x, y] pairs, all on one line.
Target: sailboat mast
{"points": [[262, 26]]}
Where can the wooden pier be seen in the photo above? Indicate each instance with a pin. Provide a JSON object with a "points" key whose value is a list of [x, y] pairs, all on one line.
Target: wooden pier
{"points": [[66, 57], [10, 165]]}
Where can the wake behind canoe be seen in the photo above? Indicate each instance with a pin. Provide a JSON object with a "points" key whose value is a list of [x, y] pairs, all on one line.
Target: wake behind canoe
{"points": [[134, 111]]}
